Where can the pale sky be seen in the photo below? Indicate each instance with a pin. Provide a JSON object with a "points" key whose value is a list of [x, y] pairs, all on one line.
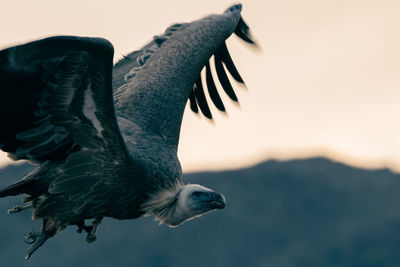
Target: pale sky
{"points": [[326, 82]]}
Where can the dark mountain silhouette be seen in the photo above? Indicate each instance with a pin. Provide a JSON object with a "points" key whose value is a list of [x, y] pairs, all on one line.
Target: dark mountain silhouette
{"points": [[311, 212]]}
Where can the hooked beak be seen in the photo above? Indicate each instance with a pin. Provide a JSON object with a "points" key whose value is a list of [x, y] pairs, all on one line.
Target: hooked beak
{"points": [[216, 200]]}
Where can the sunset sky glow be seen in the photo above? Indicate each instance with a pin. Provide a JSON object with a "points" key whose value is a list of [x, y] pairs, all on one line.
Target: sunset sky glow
{"points": [[325, 83]]}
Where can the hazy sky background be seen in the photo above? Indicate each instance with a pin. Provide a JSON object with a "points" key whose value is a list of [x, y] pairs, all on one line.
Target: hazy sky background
{"points": [[326, 83]]}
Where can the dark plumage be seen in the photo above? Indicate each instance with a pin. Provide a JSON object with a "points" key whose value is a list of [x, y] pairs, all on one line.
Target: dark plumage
{"points": [[104, 139]]}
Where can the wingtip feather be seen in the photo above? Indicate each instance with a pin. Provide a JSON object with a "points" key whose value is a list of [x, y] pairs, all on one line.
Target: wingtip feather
{"points": [[243, 32]]}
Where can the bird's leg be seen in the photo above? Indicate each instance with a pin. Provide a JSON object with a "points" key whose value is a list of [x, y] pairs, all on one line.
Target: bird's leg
{"points": [[91, 236], [81, 226], [36, 239], [50, 227], [18, 208]]}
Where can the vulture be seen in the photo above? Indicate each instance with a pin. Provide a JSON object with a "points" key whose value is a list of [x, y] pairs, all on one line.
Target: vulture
{"points": [[104, 138]]}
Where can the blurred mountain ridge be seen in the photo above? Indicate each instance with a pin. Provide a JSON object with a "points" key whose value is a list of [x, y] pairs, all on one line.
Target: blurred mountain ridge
{"points": [[304, 212]]}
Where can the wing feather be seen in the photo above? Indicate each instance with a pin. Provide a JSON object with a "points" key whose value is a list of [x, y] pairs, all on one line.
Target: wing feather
{"points": [[212, 89], [166, 72], [193, 104], [201, 98], [67, 123], [226, 58], [53, 121], [223, 78]]}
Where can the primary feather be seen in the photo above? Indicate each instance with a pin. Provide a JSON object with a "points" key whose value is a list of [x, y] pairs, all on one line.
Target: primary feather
{"points": [[104, 139]]}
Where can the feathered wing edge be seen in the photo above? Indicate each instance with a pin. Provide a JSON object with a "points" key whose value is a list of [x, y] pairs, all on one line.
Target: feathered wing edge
{"points": [[127, 68], [74, 107], [222, 58], [59, 81]]}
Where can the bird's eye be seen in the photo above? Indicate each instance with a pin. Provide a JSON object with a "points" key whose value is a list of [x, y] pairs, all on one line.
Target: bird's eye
{"points": [[196, 194]]}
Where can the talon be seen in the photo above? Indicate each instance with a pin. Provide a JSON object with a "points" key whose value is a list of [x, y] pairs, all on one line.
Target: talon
{"points": [[91, 236], [14, 210], [18, 208], [29, 240], [36, 239], [31, 237]]}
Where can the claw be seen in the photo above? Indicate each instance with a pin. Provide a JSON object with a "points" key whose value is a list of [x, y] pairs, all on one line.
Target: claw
{"points": [[16, 209], [31, 237], [36, 239], [91, 236], [29, 240]]}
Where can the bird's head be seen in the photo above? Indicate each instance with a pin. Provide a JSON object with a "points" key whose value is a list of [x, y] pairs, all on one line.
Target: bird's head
{"points": [[185, 202], [195, 200]]}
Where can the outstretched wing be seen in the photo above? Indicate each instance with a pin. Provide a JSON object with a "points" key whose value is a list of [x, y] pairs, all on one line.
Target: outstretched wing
{"points": [[152, 85], [56, 98], [56, 109], [221, 58]]}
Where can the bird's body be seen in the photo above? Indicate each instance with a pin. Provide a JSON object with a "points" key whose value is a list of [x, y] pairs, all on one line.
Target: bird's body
{"points": [[104, 139]]}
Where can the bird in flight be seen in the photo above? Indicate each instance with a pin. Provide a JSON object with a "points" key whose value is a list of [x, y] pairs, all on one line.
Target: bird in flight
{"points": [[104, 138]]}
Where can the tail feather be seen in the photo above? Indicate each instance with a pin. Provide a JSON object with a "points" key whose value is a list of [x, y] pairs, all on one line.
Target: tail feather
{"points": [[20, 187], [27, 185]]}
